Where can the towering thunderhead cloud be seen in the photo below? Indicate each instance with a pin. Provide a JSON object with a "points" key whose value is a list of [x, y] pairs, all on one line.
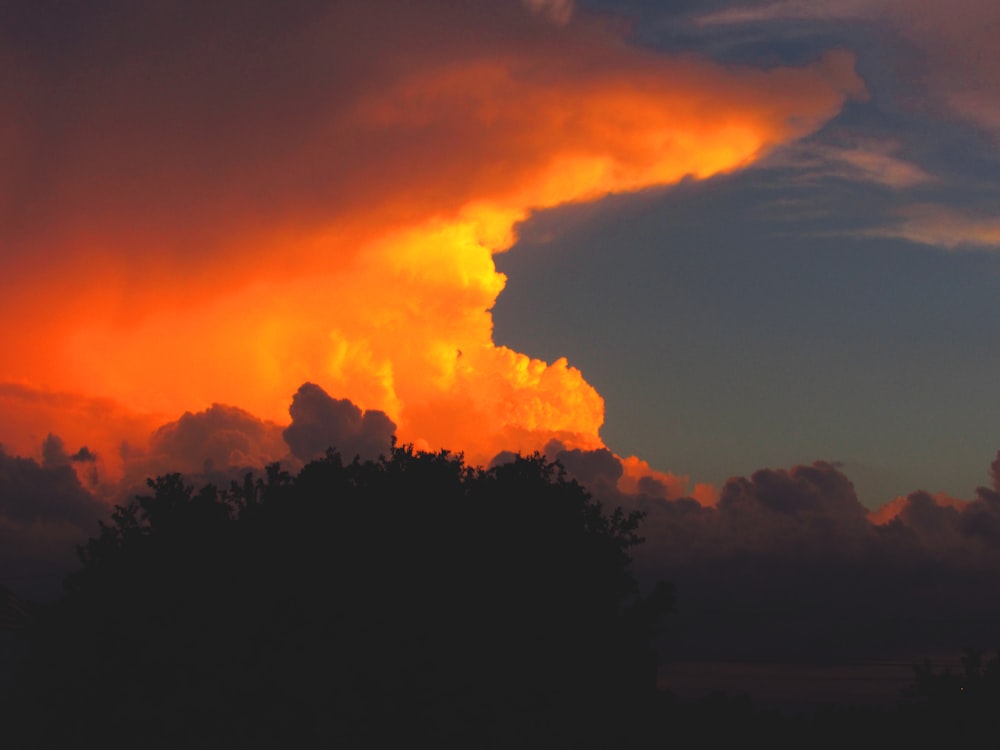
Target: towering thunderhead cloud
{"points": [[217, 206]]}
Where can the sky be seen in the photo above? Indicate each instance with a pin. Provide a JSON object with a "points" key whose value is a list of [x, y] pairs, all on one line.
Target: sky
{"points": [[714, 236], [834, 300], [712, 255]]}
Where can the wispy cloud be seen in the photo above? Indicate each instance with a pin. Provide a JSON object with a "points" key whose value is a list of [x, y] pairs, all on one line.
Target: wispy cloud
{"points": [[860, 160], [957, 41], [558, 11], [787, 10], [945, 227]]}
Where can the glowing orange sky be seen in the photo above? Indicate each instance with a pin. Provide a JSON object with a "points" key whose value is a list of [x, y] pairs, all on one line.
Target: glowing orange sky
{"points": [[341, 229]]}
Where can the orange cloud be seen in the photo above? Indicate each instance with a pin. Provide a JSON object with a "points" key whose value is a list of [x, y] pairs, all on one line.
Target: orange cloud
{"points": [[898, 507], [320, 199], [639, 477], [102, 425]]}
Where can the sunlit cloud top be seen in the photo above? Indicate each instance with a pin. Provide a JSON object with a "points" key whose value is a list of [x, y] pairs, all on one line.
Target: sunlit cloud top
{"points": [[216, 207]]}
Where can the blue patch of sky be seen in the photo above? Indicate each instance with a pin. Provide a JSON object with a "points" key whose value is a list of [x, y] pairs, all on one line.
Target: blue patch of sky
{"points": [[724, 340], [746, 321]]}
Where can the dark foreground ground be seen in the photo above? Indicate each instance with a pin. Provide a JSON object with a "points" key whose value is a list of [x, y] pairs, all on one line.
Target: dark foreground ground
{"points": [[719, 704], [332, 610], [799, 687]]}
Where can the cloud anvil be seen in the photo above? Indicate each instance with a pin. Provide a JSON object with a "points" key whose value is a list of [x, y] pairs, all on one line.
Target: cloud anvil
{"points": [[240, 211]]}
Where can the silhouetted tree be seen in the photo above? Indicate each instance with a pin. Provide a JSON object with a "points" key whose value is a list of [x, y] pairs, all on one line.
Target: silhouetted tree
{"points": [[962, 706], [373, 604]]}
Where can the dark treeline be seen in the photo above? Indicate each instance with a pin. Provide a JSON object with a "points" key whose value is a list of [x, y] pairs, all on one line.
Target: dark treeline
{"points": [[408, 601], [372, 604]]}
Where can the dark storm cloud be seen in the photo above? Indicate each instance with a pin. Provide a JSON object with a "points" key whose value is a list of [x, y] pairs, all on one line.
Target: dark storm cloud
{"points": [[54, 452], [47, 493], [44, 513], [945, 527], [320, 422], [806, 510], [223, 443], [609, 477], [788, 564], [216, 446], [218, 438], [84, 455], [598, 469]]}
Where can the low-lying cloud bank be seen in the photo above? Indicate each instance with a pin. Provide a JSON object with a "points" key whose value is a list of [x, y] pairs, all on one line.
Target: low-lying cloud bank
{"points": [[48, 507], [788, 564], [44, 512], [785, 563]]}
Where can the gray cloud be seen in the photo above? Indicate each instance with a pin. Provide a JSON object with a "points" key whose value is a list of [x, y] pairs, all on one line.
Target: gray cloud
{"points": [[956, 43], [599, 470], [44, 513], [54, 452], [220, 437], [945, 227], [788, 564], [84, 455], [853, 159], [558, 11], [320, 422], [46, 493]]}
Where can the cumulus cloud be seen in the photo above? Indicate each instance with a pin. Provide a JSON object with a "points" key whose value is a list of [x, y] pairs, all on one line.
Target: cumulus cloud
{"points": [[318, 191], [44, 513], [784, 563], [217, 445], [47, 493], [222, 443], [45, 510], [320, 423], [98, 425], [788, 564], [610, 477], [54, 452], [84, 455], [219, 437], [945, 525]]}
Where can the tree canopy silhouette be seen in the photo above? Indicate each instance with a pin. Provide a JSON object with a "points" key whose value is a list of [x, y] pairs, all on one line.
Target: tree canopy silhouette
{"points": [[368, 604]]}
